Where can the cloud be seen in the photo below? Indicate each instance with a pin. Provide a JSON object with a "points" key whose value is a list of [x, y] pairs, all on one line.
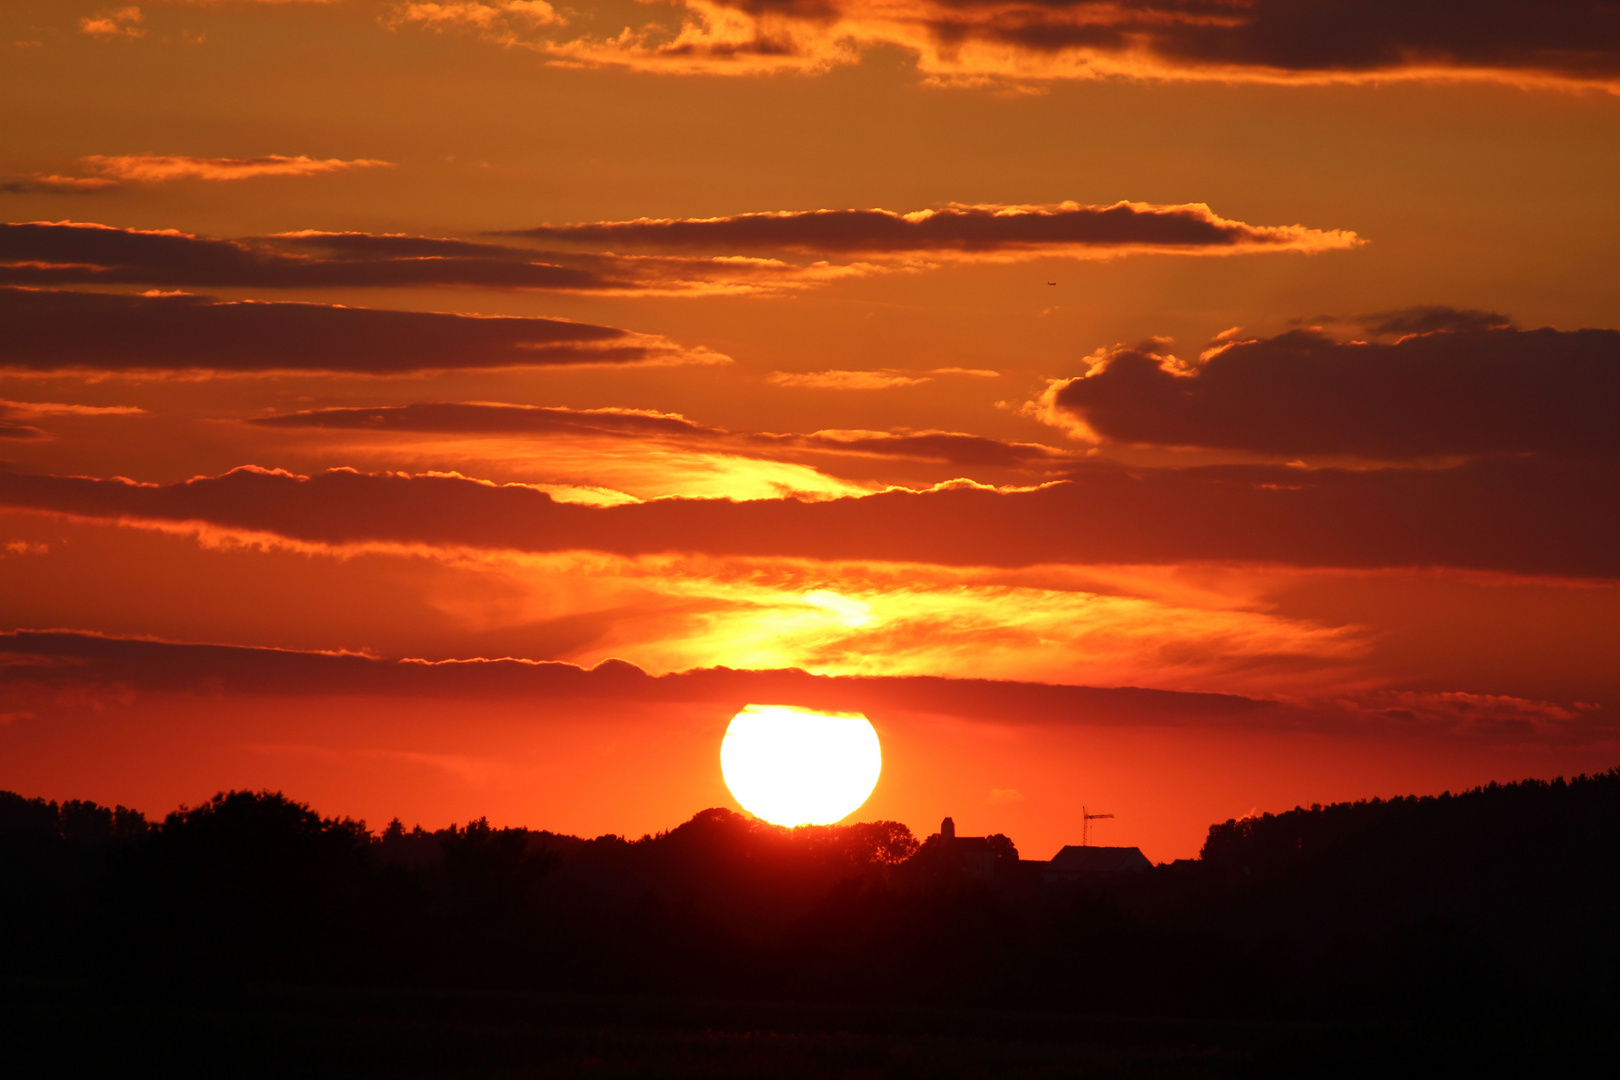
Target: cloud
{"points": [[56, 408], [11, 412], [1062, 229], [1451, 386], [57, 185], [52, 253], [1516, 515], [53, 670], [62, 659], [1428, 318], [78, 253], [1520, 42], [494, 419], [49, 330], [494, 20], [845, 380], [153, 168], [113, 23]]}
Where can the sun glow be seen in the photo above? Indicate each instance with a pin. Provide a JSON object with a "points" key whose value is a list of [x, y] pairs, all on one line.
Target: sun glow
{"points": [[795, 766]]}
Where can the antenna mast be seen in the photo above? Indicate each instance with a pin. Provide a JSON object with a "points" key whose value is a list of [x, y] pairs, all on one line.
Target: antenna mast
{"points": [[1086, 818]]}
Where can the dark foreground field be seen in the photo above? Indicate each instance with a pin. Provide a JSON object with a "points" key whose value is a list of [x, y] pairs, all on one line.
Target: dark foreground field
{"points": [[60, 1029], [1474, 934]]}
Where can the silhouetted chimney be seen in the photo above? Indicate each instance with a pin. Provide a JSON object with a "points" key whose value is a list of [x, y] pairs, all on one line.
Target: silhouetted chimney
{"points": [[947, 830]]}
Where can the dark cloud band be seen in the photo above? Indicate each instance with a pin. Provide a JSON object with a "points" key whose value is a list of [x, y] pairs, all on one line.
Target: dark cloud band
{"points": [[55, 659], [1524, 516], [46, 253], [58, 330], [455, 418]]}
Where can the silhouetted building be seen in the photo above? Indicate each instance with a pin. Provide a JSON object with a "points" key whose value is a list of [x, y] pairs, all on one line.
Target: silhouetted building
{"points": [[1074, 861], [973, 855]]}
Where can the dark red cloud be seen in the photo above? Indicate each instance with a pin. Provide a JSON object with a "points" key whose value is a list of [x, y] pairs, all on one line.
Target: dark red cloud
{"points": [[51, 661], [1529, 516], [494, 419], [54, 670], [967, 229], [1437, 393], [1240, 39], [1574, 38], [55, 330]]}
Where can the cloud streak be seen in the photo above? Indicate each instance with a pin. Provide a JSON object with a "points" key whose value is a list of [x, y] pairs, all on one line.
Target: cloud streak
{"points": [[1064, 229], [83, 253], [493, 419], [69, 253], [158, 168], [51, 330]]}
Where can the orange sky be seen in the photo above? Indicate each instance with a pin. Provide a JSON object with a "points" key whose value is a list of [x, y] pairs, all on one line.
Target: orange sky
{"points": [[1263, 350]]}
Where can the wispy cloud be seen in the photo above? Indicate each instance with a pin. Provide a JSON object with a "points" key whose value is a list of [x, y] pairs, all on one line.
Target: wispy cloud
{"points": [[845, 380], [156, 168], [114, 23]]}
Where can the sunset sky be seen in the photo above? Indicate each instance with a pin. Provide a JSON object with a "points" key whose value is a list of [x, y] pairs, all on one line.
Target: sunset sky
{"points": [[1178, 408]]}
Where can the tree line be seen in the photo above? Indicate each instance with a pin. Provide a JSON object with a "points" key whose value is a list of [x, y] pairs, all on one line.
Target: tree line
{"points": [[1500, 897]]}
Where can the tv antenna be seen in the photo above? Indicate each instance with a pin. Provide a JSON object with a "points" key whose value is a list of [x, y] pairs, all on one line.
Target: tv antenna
{"points": [[1086, 818]]}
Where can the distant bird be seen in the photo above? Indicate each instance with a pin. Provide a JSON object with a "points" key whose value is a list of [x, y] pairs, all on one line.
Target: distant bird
{"points": [[1051, 283]]}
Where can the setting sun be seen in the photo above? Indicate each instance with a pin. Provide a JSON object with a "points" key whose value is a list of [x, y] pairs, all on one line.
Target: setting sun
{"points": [[795, 766]]}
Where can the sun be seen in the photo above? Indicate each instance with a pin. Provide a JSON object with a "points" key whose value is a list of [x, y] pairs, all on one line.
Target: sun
{"points": [[795, 766]]}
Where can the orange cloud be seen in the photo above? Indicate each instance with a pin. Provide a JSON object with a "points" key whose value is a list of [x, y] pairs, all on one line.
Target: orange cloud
{"points": [[156, 168], [11, 412], [114, 22], [845, 380], [495, 20]]}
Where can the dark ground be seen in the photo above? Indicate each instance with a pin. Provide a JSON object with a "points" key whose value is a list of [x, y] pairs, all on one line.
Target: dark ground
{"points": [[75, 1029]]}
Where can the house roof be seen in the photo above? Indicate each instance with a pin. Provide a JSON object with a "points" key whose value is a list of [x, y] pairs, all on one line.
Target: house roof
{"points": [[1100, 860]]}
